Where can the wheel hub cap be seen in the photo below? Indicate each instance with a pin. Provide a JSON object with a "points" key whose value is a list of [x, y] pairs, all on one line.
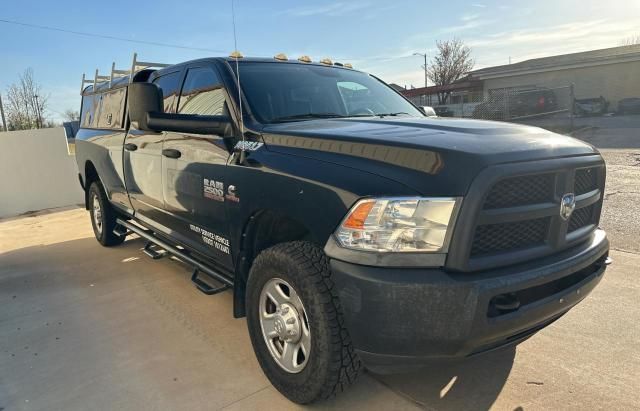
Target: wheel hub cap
{"points": [[284, 325], [287, 323]]}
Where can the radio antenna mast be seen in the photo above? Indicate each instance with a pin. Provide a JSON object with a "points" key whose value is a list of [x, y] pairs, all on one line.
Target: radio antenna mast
{"points": [[236, 55]]}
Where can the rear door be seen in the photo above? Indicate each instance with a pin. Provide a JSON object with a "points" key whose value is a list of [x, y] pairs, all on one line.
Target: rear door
{"points": [[194, 170], [143, 160]]}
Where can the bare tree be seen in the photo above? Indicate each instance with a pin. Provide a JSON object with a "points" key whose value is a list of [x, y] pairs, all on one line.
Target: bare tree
{"points": [[71, 115], [26, 103], [630, 41], [451, 63]]}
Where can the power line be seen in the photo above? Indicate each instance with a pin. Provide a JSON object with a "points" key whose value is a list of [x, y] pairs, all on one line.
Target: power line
{"points": [[103, 36]]}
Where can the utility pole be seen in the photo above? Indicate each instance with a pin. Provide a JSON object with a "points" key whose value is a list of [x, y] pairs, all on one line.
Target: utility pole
{"points": [[426, 83], [4, 121], [39, 120]]}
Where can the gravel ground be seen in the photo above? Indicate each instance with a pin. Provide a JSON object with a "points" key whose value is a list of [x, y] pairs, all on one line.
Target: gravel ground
{"points": [[621, 214], [618, 139]]}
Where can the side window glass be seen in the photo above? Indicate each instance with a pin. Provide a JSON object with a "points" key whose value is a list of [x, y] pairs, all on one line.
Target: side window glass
{"points": [[202, 93], [169, 84]]}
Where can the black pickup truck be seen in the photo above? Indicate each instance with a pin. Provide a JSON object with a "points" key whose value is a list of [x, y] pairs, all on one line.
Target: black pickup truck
{"points": [[352, 230]]}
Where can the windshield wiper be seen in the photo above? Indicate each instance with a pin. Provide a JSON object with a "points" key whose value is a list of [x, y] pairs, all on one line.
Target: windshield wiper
{"points": [[307, 116]]}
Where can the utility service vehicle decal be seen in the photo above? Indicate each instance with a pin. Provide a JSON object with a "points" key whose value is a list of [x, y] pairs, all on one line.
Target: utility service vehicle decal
{"points": [[213, 240]]}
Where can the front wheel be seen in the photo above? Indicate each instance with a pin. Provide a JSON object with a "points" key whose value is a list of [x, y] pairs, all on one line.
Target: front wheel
{"points": [[103, 217], [296, 325]]}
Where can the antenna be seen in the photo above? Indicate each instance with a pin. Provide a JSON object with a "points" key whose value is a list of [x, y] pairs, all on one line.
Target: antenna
{"points": [[236, 55]]}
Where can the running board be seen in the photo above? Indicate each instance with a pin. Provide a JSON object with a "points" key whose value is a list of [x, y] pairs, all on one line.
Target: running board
{"points": [[155, 254], [206, 287], [226, 282], [121, 231]]}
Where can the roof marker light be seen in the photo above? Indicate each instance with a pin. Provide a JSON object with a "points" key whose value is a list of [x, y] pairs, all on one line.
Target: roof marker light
{"points": [[347, 65], [236, 55], [326, 61], [304, 59], [281, 57]]}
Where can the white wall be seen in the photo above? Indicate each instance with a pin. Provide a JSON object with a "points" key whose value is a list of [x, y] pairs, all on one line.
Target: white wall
{"points": [[37, 172]]}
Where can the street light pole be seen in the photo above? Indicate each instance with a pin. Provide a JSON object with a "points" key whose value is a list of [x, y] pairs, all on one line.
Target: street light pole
{"points": [[424, 55]]}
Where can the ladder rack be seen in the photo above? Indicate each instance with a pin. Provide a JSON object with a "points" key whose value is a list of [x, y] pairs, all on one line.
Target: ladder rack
{"points": [[136, 66]]}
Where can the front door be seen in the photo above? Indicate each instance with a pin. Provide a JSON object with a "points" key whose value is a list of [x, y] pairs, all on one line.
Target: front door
{"points": [[194, 171], [143, 161]]}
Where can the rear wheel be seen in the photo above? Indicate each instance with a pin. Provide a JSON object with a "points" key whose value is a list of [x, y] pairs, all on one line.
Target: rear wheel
{"points": [[296, 325], [103, 216]]}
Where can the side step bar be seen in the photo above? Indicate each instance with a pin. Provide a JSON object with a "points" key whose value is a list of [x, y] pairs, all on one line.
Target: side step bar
{"points": [[151, 252], [183, 255], [206, 287]]}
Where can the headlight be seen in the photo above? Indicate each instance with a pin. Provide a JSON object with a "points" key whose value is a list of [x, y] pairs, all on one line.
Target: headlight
{"points": [[398, 224]]}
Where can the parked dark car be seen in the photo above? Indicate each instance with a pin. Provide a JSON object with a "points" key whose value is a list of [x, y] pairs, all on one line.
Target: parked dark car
{"points": [[509, 104], [629, 106], [351, 229]]}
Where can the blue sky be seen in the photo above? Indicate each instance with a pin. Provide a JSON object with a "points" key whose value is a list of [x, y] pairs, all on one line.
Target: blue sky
{"points": [[376, 36]]}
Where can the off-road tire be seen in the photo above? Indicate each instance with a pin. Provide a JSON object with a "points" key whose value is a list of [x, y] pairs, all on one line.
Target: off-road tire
{"points": [[332, 365], [105, 235]]}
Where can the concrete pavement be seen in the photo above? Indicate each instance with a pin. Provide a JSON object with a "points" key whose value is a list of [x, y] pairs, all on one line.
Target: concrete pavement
{"points": [[87, 327]]}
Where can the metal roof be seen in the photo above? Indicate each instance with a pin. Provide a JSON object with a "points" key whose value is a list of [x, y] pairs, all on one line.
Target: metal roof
{"points": [[582, 58]]}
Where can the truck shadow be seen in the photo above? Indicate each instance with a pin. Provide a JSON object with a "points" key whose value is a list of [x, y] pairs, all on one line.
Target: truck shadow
{"points": [[470, 384], [75, 283]]}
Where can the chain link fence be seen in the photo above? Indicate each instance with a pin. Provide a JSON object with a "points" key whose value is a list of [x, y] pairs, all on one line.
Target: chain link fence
{"points": [[549, 108]]}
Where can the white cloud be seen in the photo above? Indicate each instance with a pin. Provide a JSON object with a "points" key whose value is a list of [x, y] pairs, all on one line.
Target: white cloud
{"points": [[469, 17], [330, 9], [565, 38], [468, 24]]}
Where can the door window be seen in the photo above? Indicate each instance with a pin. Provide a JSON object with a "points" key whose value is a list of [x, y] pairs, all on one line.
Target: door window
{"points": [[202, 93], [169, 84]]}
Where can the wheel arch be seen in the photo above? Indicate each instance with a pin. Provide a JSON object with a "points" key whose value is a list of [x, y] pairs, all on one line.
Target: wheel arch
{"points": [[90, 175], [264, 229]]}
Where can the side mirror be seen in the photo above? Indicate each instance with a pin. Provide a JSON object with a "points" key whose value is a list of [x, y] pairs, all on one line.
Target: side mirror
{"points": [[144, 98], [189, 123], [147, 112]]}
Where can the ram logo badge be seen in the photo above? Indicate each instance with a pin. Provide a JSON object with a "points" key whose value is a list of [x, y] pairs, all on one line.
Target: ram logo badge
{"points": [[567, 205], [213, 189]]}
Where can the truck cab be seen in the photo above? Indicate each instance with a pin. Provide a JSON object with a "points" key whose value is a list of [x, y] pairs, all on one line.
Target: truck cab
{"points": [[353, 230]]}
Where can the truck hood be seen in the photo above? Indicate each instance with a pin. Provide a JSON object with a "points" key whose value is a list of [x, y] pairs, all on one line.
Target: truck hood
{"points": [[445, 153]]}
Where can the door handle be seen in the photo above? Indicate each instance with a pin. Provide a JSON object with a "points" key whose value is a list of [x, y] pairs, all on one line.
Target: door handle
{"points": [[171, 153], [130, 147]]}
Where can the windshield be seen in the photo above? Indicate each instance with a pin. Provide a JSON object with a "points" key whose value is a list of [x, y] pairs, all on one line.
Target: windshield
{"points": [[279, 92]]}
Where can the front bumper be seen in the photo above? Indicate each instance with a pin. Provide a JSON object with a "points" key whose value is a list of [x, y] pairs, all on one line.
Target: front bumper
{"points": [[401, 317]]}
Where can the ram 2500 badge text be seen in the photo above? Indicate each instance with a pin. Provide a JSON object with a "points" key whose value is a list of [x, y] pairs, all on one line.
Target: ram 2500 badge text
{"points": [[352, 229]]}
